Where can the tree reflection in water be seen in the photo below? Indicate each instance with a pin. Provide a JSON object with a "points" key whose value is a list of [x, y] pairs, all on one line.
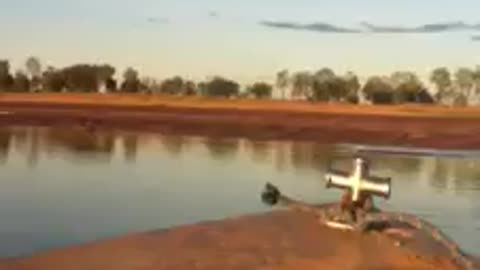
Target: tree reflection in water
{"points": [[80, 143], [310, 156], [222, 148], [259, 150], [174, 144], [442, 174], [5, 139], [130, 146]]}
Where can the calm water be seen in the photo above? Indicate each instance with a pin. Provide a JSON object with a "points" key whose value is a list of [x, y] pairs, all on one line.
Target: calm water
{"points": [[62, 187]]}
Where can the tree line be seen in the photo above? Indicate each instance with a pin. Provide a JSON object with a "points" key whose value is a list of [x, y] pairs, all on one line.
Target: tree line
{"points": [[323, 85]]}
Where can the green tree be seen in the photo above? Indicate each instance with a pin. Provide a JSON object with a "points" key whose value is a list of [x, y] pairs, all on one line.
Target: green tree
{"points": [[302, 83], [353, 85], [220, 87], [464, 80], [131, 83], [324, 74], [21, 82], [151, 85], [442, 79], [260, 90], [378, 90], [6, 79], [330, 89], [173, 86], [189, 88], [53, 80], [282, 82], [86, 77], [323, 85], [407, 86], [476, 80], [111, 85], [34, 67], [105, 75], [80, 78]]}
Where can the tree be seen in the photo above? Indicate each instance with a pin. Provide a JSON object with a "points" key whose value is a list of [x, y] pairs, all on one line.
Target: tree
{"points": [[105, 75], [34, 67], [339, 89], [408, 91], [6, 79], [324, 74], [441, 77], [150, 84], [464, 82], [476, 79], [189, 88], [302, 83], [378, 90], [407, 86], [173, 86], [260, 90], [282, 81], [220, 87], [53, 80], [352, 82], [323, 84], [330, 89], [21, 82], [79, 78], [87, 78], [460, 100], [464, 79], [131, 83], [353, 86], [111, 85], [425, 97]]}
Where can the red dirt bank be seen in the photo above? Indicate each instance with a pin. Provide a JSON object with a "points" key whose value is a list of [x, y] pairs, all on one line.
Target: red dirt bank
{"points": [[280, 240], [423, 126]]}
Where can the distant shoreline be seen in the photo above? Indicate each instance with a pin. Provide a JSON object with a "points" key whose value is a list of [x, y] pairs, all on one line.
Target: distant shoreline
{"points": [[406, 125]]}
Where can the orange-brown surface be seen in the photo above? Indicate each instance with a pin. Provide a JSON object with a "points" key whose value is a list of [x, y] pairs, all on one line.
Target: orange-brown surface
{"points": [[279, 240], [412, 125]]}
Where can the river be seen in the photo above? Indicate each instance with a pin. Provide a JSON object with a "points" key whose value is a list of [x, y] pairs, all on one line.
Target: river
{"points": [[62, 187]]}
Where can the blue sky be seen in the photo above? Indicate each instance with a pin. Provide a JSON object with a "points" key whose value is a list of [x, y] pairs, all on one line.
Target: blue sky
{"points": [[164, 38]]}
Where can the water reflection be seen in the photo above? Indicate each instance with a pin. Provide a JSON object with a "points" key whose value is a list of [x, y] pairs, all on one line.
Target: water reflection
{"points": [[36, 143], [174, 144], [5, 138], [130, 146], [222, 148], [260, 150]]}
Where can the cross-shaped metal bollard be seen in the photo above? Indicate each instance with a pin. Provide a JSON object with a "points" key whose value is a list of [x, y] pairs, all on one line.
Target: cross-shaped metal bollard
{"points": [[360, 181]]}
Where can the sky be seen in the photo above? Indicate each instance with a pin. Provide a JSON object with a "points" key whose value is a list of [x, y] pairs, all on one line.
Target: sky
{"points": [[244, 40]]}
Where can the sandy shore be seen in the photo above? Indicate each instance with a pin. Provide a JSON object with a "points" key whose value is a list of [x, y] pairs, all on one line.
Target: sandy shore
{"points": [[422, 126], [278, 240]]}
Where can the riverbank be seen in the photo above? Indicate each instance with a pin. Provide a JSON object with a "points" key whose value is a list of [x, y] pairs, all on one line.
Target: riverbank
{"points": [[278, 240], [413, 125]]}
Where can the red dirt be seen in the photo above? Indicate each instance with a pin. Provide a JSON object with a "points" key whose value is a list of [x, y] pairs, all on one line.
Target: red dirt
{"points": [[436, 127], [279, 240]]}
